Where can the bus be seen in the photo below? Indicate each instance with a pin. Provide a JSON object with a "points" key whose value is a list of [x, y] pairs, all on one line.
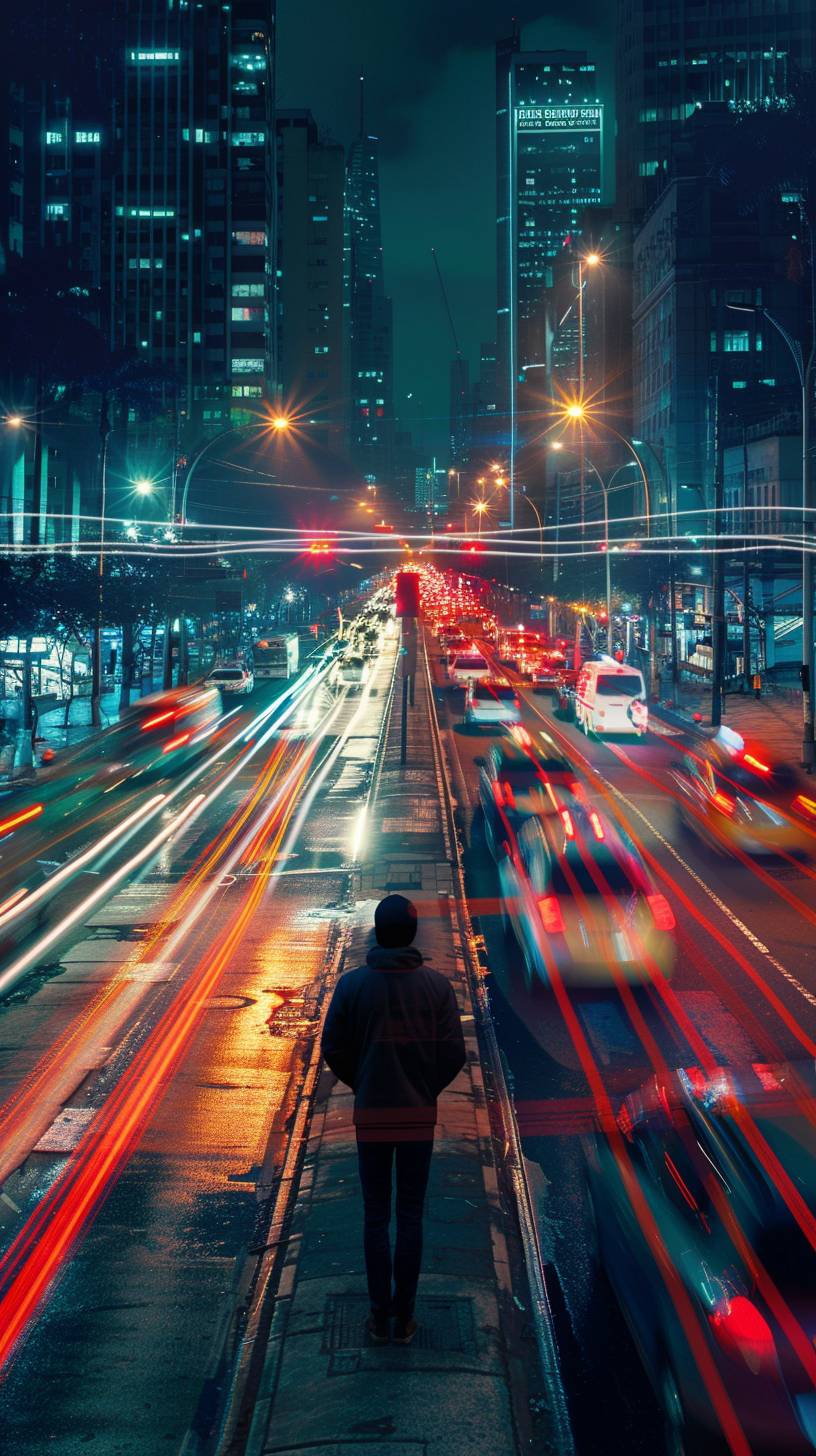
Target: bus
{"points": [[276, 656]]}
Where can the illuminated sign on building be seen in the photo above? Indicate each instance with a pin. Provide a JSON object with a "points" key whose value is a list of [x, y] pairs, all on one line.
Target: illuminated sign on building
{"points": [[559, 118]]}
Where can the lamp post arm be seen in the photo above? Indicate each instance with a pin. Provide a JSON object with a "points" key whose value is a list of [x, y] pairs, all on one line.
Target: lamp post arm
{"points": [[647, 500], [222, 435]]}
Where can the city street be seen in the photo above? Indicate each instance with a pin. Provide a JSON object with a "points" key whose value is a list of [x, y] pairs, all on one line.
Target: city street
{"points": [[151, 1064], [742, 994], [161, 1012], [408, 728]]}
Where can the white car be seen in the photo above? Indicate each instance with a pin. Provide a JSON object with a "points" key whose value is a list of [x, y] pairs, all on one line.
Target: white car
{"points": [[350, 672], [465, 667], [232, 679], [492, 702]]}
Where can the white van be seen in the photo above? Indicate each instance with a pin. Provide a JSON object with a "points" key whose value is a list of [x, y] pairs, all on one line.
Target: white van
{"points": [[611, 698]]}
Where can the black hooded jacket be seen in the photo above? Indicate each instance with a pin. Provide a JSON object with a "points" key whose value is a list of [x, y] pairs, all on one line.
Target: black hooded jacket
{"points": [[393, 1034]]}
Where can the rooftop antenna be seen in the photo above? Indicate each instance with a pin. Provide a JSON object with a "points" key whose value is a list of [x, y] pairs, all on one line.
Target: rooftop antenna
{"points": [[362, 106]]}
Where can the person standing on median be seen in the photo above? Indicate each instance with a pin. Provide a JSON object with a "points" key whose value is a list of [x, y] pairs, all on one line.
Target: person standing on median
{"points": [[394, 1035]]}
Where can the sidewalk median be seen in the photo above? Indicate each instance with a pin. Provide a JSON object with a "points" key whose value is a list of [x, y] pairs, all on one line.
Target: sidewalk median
{"points": [[482, 1374]]}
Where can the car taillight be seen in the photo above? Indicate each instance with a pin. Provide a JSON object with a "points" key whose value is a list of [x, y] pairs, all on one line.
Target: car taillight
{"points": [[551, 917], [566, 820], [662, 912], [724, 803], [756, 764], [597, 826], [809, 805], [159, 718], [503, 794], [741, 1329], [176, 742]]}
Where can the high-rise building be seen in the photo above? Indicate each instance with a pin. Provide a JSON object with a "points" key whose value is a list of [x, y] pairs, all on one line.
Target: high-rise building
{"points": [[310, 323], [191, 271], [673, 55], [431, 489], [368, 311], [460, 411], [550, 140]]}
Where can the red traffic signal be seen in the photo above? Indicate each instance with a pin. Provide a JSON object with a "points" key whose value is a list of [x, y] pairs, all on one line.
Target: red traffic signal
{"points": [[407, 594]]}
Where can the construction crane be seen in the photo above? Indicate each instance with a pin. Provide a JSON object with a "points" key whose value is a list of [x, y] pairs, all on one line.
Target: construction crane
{"points": [[446, 302]]}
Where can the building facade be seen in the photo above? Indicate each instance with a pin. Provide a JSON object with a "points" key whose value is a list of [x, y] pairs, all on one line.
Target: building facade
{"points": [[674, 55], [311, 345], [369, 314], [193, 202], [550, 147]]}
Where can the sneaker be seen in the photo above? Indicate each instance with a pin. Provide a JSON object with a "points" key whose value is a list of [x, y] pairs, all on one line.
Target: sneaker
{"points": [[404, 1331], [377, 1326]]}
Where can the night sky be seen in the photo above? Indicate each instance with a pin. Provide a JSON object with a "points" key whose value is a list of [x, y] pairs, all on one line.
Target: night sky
{"points": [[430, 98]]}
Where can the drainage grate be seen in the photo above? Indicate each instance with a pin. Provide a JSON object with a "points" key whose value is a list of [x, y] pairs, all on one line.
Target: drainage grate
{"points": [[445, 1325]]}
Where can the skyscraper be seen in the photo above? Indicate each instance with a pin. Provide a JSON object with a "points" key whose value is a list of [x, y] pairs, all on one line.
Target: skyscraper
{"points": [[369, 311], [193, 204], [549, 137], [674, 54], [461, 409], [310, 324]]}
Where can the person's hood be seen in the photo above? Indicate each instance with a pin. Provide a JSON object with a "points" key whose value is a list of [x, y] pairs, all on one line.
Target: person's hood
{"points": [[394, 958]]}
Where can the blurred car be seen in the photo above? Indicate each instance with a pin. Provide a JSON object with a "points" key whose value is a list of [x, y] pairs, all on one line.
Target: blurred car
{"points": [[515, 781], [548, 672], [465, 667], [724, 804], [231, 679], [695, 1146], [163, 731], [491, 703], [452, 639], [579, 899], [350, 671]]}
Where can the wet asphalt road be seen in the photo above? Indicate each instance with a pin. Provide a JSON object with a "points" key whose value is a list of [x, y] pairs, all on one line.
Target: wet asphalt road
{"points": [[176, 1018], [744, 985]]}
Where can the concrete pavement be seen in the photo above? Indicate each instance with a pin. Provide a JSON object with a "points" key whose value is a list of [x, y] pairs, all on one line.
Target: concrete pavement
{"points": [[470, 1380], [773, 720]]}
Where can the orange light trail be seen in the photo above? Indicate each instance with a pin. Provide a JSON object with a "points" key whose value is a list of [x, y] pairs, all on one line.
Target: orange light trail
{"points": [[24, 817], [30, 1093], [49, 1235]]}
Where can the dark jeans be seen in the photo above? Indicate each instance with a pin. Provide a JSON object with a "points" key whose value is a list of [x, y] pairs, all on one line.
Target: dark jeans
{"points": [[413, 1162]]}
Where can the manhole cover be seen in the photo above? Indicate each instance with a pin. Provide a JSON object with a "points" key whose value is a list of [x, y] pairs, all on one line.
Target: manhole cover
{"points": [[445, 1325]]}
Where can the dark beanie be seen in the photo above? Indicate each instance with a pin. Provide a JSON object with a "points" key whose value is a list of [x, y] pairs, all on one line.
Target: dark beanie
{"points": [[395, 921]]}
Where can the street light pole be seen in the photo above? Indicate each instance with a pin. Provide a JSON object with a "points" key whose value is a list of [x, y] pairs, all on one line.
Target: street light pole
{"points": [[96, 663]]}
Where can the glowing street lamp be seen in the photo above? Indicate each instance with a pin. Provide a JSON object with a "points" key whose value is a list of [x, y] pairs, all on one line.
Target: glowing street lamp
{"points": [[281, 423], [143, 486], [14, 422]]}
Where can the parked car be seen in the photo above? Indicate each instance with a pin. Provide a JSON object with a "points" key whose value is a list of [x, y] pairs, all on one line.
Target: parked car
{"points": [[231, 679]]}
